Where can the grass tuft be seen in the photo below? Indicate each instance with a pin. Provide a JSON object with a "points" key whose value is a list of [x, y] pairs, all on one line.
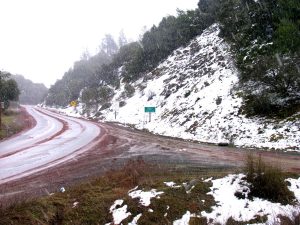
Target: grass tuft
{"points": [[267, 181]]}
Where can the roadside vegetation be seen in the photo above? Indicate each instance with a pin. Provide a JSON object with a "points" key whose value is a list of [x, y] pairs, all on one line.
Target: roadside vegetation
{"points": [[89, 203], [12, 123], [9, 90], [92, 202], [30, 93], [267, 181]]}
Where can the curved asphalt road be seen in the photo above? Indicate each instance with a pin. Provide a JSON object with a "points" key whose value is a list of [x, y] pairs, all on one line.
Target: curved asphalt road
{"points": [[54, 139], [77, 150]]}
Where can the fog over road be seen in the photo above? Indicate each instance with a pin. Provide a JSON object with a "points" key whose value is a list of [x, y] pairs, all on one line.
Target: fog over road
{"points": [[54, 139]]}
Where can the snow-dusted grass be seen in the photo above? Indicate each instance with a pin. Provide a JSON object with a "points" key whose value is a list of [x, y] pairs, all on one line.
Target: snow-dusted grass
{"points": [[145, 196], [295, 186], [172, 184], [109, 200], [229, 206], [119, 214], [184, 220]]}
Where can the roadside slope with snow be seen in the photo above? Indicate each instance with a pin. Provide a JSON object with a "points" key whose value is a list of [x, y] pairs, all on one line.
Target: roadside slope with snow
{"points": [[195, 97]]}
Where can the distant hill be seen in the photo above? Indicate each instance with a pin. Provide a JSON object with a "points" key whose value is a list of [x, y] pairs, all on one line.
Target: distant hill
{"points": [[31, 93]]}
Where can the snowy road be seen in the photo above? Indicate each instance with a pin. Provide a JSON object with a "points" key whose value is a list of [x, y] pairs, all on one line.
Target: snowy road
{"points": [[63, 151], [54, 139]]}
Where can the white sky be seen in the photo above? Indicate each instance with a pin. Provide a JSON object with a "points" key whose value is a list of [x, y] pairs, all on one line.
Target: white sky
{"points": [[41, 39]]}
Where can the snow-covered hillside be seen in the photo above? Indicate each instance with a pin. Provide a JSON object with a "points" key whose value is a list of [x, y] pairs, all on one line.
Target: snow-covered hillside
{"points": [[195, 97]]}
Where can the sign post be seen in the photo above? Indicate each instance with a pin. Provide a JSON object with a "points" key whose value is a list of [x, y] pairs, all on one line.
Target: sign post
{"points": [[149, 110]]}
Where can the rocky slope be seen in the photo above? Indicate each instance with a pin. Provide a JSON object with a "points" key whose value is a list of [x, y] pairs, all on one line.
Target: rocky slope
{"points": [[194, 92]]}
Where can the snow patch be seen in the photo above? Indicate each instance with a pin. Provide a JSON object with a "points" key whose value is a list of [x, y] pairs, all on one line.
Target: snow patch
{"points": [[119, 214], [135, 219], [172, 184], [75, 204], [184, 220], [228, 205], [295, 187], [145, 196]]}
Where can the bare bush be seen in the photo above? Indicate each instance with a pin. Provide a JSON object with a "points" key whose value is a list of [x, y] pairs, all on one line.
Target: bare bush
{"points": [[267, 181]]}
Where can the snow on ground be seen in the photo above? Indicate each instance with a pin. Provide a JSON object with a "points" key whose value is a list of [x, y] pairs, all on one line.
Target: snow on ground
{"points": [[145, 196], [70, 110], [195, 97], [193, 92], [172, 184], [295, 187], [184, 220], [135, 220], [228, 205], [119, 214]]}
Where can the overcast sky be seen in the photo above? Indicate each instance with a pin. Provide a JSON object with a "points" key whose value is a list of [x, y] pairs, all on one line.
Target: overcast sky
{"points": [[41, 39]]}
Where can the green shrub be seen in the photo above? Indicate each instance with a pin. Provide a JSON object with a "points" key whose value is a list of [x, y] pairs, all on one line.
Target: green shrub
{"points": [[122, 103], [129, 90], [105, 106], [267, 181]]}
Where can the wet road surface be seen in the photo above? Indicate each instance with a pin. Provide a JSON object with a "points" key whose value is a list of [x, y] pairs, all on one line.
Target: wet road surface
{"points": [[68, 151]]}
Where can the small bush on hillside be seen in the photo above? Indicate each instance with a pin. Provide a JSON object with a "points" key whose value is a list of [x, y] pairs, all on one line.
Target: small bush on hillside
{"points": [[122, 103], [105, 106], [267, 181], [105, 94], [129, 90], [259, 105], [151, 95]]}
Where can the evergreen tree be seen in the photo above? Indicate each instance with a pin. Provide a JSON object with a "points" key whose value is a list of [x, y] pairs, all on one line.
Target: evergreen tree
{"points": [[109, 45], [122, 39], [9, 90]]}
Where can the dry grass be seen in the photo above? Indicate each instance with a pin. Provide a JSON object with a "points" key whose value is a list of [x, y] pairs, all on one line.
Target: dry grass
{"points": [[267, 181], [10, 123], [288, 221], [95, 198]]}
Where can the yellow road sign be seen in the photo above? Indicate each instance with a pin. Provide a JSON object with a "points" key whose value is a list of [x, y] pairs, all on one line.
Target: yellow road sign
{"points": [[73, 103]]}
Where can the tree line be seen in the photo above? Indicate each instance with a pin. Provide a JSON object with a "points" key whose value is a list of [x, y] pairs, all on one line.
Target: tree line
{"points": [[30, 93], [265, 39], [126, 61], [9, 90], [263, 34]]}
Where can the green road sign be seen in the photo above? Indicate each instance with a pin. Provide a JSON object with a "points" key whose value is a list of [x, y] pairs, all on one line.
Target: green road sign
{"points": [[149, 109]]}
